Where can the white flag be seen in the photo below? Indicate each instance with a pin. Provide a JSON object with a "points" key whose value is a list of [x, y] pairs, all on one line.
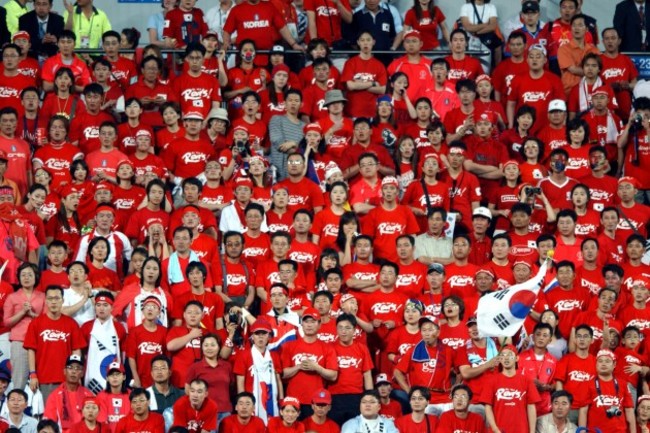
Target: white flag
{"points": [[502, 313]]}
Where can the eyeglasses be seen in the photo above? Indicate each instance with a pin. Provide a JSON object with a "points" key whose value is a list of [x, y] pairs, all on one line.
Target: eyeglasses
{"points": [[139, 401], [294, 162], [460, 397], [75, 367]]}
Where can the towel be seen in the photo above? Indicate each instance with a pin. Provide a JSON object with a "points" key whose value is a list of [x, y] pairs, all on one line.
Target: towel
{"points": [[265, 387], [175, 272], [584, 95]]}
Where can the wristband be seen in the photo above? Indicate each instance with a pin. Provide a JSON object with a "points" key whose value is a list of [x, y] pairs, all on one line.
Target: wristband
{"points": [[33, 376], [244, 313], [32, 372]]}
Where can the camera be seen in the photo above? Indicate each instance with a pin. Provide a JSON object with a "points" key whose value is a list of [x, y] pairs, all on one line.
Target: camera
{"points": [[613, 411], [530, 191], [243, 148], [233, 318]]}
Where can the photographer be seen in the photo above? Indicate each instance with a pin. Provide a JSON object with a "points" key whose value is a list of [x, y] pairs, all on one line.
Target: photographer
{"points": [[610, 405], [633, 153], [237, 156]]}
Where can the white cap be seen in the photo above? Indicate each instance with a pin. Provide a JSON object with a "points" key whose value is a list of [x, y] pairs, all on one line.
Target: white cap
{"points": [[482, 212], [556, 105], [539, 47]]}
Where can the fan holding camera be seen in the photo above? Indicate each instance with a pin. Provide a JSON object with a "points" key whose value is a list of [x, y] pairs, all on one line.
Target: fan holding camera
{"points": [[610, 406]]}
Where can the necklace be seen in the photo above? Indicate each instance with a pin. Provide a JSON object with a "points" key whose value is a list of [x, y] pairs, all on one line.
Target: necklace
{"points": [[63, 111]]}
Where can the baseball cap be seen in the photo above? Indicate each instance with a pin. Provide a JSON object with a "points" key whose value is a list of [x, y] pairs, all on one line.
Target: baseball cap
{"points": [[485, 270], [471, 321], [72, 359], [413, 34], [143, 133], [290, 401], [212, 33], [346, 297], [631, 180], [322, 396], [509, 347], [390, 180], [115, 366], [195, 115], [5, 375], [381, 378], [438, 268], [482, 211], [312, 313], [606, 352], [244, 181], [21, 35], [429, 319], [530, 6], [261, 325], [556, 105], [538, 47], [277, 49]]}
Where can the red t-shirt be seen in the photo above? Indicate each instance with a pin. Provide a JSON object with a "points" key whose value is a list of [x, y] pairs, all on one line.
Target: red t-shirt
{"points": [[260, 22], [385, 226], [304, 194], [427, 25], [53, 341], [450, 423], [568, 304], [509, 398], [57, 159], [256, 249], [185, 356], [231, 424], [326, 225], [213, 307], [196, 93], [602, 191], [537, 93], [186, 158], [143, 345], [304, 383], [558, 195], [185, 26], [11, 88], [575, 373], [431, 374], [412, 278], [406, 424], [328, 426], [503, 74], [468, 68], [600, 401], [150, 115], [360, 271], [137, 226], [361, 103], [195, 420], [153, 424]]}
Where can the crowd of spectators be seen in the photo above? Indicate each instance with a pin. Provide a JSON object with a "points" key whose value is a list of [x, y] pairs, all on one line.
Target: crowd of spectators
{"points": [[240, 227]]}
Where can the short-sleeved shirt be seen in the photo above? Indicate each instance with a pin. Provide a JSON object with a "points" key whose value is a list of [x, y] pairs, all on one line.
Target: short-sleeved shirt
{"points": [[89, 31]]}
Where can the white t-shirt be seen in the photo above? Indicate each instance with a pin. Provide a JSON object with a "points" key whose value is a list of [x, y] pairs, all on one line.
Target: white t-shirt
{"points": [[485, 12], [85, 313]]}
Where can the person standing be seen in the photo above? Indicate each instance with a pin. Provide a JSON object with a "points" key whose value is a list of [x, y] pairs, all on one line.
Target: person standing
{"points": [[631, 21]]}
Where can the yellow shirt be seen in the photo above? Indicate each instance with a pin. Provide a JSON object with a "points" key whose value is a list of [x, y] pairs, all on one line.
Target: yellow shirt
{"points": [[89, 31], [15, 10]]}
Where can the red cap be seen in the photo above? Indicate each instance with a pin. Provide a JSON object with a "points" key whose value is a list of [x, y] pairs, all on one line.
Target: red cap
{"points": [[196, 115], [641, 398], [244, 181], [631, 180], [434, 156], [67, 190], [279, 68], [290, 401], [143, 133], [115, 366], [212, 33], [260, 325], [390, 180], [483, 77], [413, 34], [103, 298], [522, 262], [346, 297], [488, 116], [510, 162], [322, 396], [21, 35], [509, 347], [152, 221], [259, 158], [311, 312], [315, 127]]}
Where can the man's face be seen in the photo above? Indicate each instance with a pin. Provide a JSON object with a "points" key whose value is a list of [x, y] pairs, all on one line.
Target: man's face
{"points": [[8, 123], [140, 405], [439, 73], [73, 373], [626, 191], [90, 412], [436, 223], [279, 300], [30, 102], [611, 41], [517, 46], [480, 225], [590, 252], [500, 248], [560, 407], [16, 404], [198, 392], [42, 8], [66, 46], [566, 226], [103, 310], [234, 247], [195, 278], [536, 60], [253, 219], [460, 400], [387, 277], [251, 106], [567, 10], [107, 136], [295, 165], [244, 407], [194, 61], [322, 304], [182, 241], [565, 276], [404, 249], [542, 338], [362, 132], [590, 68], [460, 248], [287, 274], [635, 250], [280, 246], [192, 126], [53, 301], [111, 46], [310, 326], [578, 29], [322, 73], [429, 332], [368, 168], [389, 193], [458, 43], [193, 315], [531, 19], [412, 45], [583, 339], [301, 224], [363, 249], [10, 59], [604, 365]]}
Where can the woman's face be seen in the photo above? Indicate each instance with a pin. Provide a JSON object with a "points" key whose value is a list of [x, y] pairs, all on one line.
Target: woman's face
{"points": [[170, 116], [525, 121], [435, 136], [42, 177], [281, 198], [531, 149], [318, 51], [549, 318], [125, 171], [313, 138], [280, 79], [37, 198], [384, 109], [100, 251], [289, 414], [423, 111], [328, 262], [257, 167], [338, 195], [407, 148], [579, 197], [401, 82], [156, 195], [210, 348], [577, 135], [80, 173], [27, 277], [57, 131], [151, 270], [63, 82], [511, 172]]}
